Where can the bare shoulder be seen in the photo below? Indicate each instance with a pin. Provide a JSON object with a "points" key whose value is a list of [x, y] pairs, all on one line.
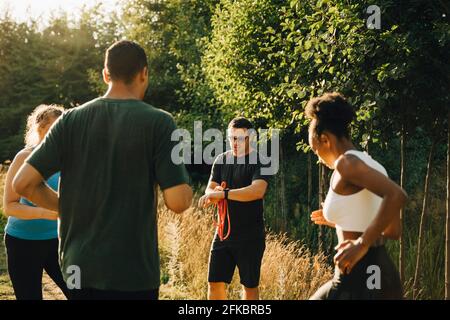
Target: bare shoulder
{"points": [[349, 166]]}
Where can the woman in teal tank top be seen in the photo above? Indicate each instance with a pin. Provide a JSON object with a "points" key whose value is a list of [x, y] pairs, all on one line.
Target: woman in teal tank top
{"points": [[31, 234]]}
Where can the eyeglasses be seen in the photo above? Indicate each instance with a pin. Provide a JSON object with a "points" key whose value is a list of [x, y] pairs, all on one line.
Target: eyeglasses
{"points": [[238, 138]]}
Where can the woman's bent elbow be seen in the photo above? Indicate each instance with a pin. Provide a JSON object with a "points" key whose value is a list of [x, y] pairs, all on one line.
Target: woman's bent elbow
{"points": [[401, 198]]}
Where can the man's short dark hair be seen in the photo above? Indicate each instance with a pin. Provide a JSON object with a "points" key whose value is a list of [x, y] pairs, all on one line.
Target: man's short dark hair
{"points": [[124, 60], [240, 123]]}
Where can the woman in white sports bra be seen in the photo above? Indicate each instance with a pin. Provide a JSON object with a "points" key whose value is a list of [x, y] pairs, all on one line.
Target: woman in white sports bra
{"points": [[363, 204]]}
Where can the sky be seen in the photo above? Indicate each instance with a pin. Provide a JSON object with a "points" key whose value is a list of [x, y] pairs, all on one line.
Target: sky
{"points": [[23, 10]]}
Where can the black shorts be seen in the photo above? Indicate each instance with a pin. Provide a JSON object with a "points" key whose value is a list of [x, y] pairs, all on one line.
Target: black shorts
{"points": [[246, 255]]}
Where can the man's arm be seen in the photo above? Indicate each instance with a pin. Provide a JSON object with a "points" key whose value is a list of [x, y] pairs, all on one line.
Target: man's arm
{"points": [[253, 192], [172, 178], [30, 184], [11, 200], [178, 198]]}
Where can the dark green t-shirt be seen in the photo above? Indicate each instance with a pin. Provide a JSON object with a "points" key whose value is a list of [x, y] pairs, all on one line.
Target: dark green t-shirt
{"points": [[112, 154]]}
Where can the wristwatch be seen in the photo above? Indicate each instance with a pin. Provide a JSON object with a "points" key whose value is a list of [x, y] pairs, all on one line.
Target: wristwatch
{"points": [[226, 190]]}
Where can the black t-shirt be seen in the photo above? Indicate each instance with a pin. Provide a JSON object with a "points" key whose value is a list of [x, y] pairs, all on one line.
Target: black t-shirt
{"points": [[246, 218]]}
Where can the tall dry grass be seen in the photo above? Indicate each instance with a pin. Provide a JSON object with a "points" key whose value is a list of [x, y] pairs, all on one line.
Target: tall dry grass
{"points": [[3, 170], [289, 270]]}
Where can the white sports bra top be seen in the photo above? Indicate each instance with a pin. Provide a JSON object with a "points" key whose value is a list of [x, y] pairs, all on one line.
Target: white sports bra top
{"points": [[356, 211]]}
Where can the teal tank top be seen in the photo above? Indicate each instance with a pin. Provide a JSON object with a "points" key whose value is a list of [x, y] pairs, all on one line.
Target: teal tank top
{"points": [[36, 229]]}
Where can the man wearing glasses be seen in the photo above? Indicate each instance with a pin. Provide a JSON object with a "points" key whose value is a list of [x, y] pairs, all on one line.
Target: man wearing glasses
{"points": [[240, 169]]}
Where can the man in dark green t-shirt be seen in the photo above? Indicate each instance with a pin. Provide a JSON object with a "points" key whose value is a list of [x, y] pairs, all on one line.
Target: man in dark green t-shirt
{"points": [[112, 153]]}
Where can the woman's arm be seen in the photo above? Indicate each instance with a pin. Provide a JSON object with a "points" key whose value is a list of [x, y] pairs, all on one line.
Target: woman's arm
{"points": [[11, 205], [387, 220]]}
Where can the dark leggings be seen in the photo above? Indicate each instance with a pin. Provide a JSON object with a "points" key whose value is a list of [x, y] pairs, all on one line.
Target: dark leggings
{"points": [[359, 284], [26, 261]]}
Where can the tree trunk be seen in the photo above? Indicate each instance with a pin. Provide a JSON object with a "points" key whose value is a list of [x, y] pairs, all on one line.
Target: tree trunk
{"points": [[325, 172], [447, 222], [282, 192], [309, 182], [329, 232], [323, 175], [320, 206], [422, 221], [401, 258]]}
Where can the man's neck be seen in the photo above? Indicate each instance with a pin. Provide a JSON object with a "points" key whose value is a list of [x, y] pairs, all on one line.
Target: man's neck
{"points": [[122, 92]]}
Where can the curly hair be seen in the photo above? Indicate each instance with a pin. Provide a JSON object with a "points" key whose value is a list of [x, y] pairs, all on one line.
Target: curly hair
{"points": [[39, 118], [331, 113]]}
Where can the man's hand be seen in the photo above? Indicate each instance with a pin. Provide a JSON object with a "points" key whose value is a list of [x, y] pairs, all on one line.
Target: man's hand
{"points": [[211, 198]]}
